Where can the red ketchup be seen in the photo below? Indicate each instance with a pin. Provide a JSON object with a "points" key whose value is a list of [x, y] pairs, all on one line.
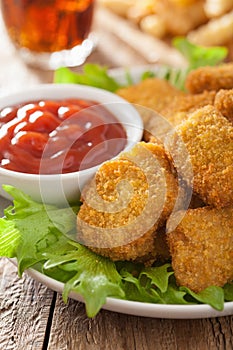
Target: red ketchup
{"points": [[54, 137]]}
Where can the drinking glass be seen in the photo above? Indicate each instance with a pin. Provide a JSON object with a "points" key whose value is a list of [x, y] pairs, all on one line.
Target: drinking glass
{"points": [[50, 33]]}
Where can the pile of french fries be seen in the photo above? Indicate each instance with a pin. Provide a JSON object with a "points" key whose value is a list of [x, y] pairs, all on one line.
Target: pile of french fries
{"points": [[204, 22]]}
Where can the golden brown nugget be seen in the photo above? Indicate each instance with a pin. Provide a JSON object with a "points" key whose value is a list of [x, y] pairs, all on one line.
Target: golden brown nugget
{"points": [[162, 106], [181, 106], [126, 202], [151, 97], [208, 138], [224, 103], [210, 78], [152, 93], [201, 248]]}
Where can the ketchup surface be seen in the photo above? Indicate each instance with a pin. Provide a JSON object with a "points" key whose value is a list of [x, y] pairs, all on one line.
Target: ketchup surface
{"points": [[60, 136]]}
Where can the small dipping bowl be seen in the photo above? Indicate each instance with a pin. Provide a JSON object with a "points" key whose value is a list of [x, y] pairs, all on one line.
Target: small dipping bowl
{"points": [[63, 188]]}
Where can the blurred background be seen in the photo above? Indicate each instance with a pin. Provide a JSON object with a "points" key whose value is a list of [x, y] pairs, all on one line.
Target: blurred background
{"points": [[203, 22], [135, 32]]}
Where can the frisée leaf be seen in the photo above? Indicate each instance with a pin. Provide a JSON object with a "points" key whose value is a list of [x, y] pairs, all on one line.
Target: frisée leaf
{"points": [[47, 248], [199, 56], [93, 75], [93, 276], [213, 295], [33, 227]]}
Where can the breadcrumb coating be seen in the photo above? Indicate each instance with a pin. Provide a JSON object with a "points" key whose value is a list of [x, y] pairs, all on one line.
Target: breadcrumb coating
{"points": [[201, 248], [130, 197], [152, 93], [150, 97], [224, 103], [210, 78], [208, 138], [181, 106], [162, 106]]}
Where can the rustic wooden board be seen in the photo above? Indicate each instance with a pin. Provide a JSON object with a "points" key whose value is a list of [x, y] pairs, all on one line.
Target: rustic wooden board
{"points": [[24, 309], [71, 329]]}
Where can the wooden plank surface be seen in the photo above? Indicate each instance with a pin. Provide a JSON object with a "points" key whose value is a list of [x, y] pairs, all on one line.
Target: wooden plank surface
{"points": [[34, 317], [113, 331], [24, 308]]}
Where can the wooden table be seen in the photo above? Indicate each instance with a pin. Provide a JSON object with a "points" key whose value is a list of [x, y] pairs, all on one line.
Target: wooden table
{"points": [[35, 317]]}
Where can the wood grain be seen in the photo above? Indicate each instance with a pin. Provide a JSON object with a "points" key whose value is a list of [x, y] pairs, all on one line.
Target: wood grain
{"points": [[71, 329], [24, 308], [33, 317]]}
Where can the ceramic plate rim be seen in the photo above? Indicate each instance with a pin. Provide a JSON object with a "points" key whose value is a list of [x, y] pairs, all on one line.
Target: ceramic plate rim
{"points": [[135, 308]]}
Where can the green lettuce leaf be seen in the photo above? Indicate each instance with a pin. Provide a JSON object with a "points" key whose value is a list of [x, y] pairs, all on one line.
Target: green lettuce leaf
{"points": [[228, 291], [9, 238], [92, 276], [159, 276], [93, 75], [199, 56], [47, 247], [33, 227], [175, 296], [213, 295], [36, 234], [135, 290]]}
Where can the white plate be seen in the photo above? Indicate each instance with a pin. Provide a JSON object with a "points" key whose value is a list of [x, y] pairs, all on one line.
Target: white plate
{"points": [[141, 309], [132, 307]]}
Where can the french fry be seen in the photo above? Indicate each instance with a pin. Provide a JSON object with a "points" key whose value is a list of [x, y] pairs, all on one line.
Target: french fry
{"points": [[203, 22], [183, 2], [179, 20], [141, 9], [216, 8], [120, 7], [216, 32], [153, 24]]}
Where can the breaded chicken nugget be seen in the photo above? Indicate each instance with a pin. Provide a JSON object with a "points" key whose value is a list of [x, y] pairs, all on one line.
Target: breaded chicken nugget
{"points": [[151, 97], [201, 248], [224, 103], [126, 202], [168, 172], [208, 138], [154, 96], [210, 78], [153, 93], [181, 106]]}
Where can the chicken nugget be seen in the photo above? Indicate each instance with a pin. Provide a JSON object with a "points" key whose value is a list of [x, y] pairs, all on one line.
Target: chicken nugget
{"points": [[181, 106], [208, 139], [129, 198], [162, 106], [201, 248], [224, 103], [153, 93], [150, 97], [210, 78]]}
